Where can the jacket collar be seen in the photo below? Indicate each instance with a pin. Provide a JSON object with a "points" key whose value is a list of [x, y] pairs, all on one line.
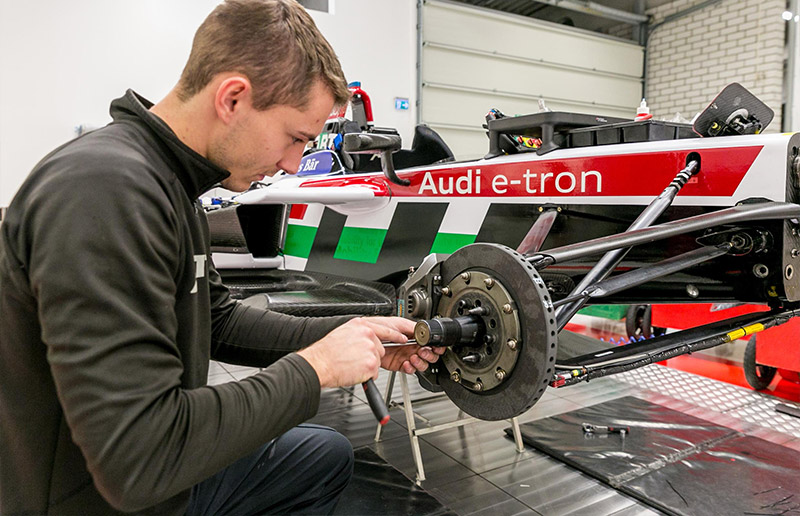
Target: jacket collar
{"points": [[196, 173]]}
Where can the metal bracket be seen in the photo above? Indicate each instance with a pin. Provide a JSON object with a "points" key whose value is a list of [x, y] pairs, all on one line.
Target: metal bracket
{"points": [[414, 432]]}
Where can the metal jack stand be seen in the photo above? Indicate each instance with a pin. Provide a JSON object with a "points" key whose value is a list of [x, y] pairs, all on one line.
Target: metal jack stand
{"points": [[414, 432]]}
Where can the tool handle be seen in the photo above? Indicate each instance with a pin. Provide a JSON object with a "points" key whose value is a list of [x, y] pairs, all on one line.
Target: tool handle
{"points": [[376, 402]]}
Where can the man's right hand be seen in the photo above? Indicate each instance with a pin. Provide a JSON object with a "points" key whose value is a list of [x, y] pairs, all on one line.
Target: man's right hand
{"points": [[351, 354]]}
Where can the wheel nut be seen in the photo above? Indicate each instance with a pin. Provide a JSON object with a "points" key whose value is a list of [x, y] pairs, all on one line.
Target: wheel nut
{"points": [[446, 291], [507, 308], [512, 344], [455, 377], [488, 339], [466, 276], [500, 375], [478, 386], [489, 282]]}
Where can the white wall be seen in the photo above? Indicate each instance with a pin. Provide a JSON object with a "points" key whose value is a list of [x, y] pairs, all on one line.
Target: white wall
{"points": [[61, 63], [376, 41], [475, 59]]}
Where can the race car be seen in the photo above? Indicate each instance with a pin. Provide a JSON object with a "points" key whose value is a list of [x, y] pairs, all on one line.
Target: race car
{"points": [[493, 257]]}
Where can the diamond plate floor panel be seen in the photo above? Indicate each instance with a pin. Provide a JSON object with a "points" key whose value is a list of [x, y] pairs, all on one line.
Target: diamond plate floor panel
{"points": [[739, 403]]}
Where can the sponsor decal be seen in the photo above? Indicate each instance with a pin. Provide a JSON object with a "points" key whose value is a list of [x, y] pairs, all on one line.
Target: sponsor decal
{"points": [[643, 174]]}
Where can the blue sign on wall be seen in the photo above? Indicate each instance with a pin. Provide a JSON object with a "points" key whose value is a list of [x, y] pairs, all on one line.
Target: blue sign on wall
{"points": [[401, 104]]}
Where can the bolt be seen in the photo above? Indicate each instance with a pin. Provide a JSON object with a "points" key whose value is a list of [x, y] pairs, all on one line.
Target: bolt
{"points": [[507, 308], [512, 344], [471, 359], [489, 282], [795, 253], [411, 270], [455, 377], [488, 339], [446, 291], [692, 290], [466, 276], [437, 280], [478, 386], [541, 209], [500, 375]]}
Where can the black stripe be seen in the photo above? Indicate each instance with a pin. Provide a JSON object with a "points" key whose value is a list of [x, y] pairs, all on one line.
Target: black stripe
{"points": [[408, 240]]}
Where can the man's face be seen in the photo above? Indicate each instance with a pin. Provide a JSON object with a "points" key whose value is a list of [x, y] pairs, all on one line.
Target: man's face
{"points": [[260, 143]]}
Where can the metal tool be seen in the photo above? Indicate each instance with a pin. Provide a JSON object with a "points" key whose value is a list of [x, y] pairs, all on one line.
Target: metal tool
{"points": [[376, 403], [589, 428], [374, 398]]}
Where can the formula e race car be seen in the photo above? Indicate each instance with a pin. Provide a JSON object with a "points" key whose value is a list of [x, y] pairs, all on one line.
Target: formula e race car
{"points": [[493, 257]]}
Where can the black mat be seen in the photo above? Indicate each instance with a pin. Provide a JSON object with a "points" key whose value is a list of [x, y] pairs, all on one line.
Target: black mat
{"points": [[378, 488], [674, 462]]}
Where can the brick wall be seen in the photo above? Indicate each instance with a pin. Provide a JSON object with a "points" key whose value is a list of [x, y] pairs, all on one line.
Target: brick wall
{"points": [[691, 59]]}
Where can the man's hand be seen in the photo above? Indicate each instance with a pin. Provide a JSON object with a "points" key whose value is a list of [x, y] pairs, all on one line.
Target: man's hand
{"points": [[411, 358], [351, 353]]}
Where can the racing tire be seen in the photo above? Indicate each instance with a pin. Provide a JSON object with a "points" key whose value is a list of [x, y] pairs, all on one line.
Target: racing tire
{"points": [[638, 321], [758, 376]]}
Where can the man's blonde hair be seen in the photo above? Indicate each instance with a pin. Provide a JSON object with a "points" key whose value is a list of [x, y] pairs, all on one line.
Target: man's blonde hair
{"points": [[274, 43]]}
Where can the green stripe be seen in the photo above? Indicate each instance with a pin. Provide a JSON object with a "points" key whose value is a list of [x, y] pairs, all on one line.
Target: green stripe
{"points": [[613, 312], [447, 243], [360, 244], [299, 240]]}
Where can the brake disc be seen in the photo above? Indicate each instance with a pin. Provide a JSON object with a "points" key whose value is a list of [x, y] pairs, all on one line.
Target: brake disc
{"points": [[508, 370]]}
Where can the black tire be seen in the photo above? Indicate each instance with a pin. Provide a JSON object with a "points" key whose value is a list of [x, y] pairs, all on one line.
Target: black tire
{"points": [[758, 376], [638, 321]]}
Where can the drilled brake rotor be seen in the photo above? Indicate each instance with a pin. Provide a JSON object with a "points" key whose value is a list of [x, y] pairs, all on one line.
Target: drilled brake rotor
{"points": [[508, 369]]}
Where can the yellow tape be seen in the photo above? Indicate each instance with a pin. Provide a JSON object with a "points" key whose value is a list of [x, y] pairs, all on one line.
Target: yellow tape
{"points": [[736, 334], [743, 332]]}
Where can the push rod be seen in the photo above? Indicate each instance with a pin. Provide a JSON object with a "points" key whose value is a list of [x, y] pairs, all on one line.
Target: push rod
{"points": [[612, 258], [744, 213], [648, 273]]}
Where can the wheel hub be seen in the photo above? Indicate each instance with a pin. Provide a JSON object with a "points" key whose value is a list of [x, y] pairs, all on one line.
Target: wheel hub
{"points": [[484, 364], [506, 367]]}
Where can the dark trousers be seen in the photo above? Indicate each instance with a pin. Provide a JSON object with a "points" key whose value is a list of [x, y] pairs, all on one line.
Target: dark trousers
{"points": [[301, 472]]}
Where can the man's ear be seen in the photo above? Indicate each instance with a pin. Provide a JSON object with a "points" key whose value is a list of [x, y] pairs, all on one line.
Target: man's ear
{"points": [[233, 94]]}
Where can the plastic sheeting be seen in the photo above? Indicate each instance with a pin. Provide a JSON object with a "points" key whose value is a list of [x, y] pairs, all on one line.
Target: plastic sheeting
{"points": [[378, 488], [674, 462]]}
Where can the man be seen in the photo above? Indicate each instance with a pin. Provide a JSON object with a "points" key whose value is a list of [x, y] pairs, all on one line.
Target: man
{"points": [[110, 307]]}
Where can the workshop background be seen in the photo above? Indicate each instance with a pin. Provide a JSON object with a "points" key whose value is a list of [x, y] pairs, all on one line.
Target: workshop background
{"points": [[62, 62], [444, 63]]}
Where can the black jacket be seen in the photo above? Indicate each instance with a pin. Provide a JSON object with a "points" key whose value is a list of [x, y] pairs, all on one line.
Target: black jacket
{"points": [[110, 309]]}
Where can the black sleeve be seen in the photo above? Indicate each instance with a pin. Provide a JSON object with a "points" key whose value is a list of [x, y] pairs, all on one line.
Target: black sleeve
{"points": [[251, 336], [103, 256]]}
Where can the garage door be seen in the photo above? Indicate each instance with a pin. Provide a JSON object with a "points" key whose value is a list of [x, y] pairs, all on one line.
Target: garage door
{"points": [[475, 59]]}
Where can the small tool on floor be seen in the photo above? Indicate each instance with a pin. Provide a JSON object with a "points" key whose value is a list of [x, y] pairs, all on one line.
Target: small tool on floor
{"points": [[589, 428]]}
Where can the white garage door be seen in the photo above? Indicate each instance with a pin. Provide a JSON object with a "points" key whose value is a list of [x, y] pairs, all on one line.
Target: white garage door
{"points": [[475, 59]]}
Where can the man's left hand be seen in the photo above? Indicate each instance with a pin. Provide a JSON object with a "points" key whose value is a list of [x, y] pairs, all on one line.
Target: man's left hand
{"points": [[410, 358]]}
